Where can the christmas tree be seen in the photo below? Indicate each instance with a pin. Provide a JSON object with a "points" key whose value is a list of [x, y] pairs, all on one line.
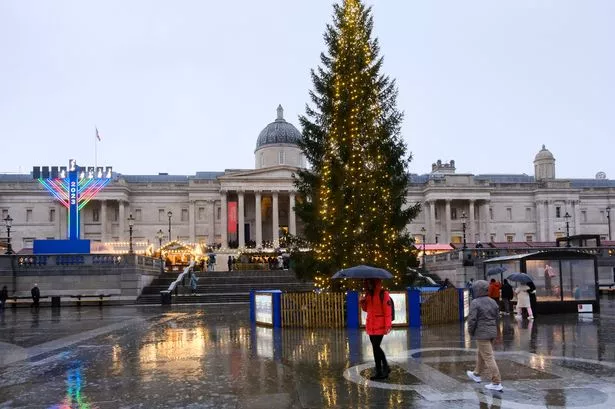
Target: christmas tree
{"points": [[354, 208]]}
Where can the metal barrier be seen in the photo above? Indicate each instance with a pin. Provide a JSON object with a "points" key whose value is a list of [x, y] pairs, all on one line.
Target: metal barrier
{"points": [[440, 307], [312, 310]]}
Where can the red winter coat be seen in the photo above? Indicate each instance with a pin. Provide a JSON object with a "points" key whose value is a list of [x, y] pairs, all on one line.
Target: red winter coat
{"points": [[379, 315]]}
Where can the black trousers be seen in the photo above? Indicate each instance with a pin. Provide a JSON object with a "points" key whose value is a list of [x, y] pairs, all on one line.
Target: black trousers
{"points": [[379, 357]]}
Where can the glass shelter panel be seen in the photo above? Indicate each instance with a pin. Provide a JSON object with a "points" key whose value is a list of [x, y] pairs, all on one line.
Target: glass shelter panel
{"points": [[578, 280], [546, 275]]}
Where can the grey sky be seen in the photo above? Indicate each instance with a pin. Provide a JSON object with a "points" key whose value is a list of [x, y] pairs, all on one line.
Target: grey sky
{"points": [[187, 85]]}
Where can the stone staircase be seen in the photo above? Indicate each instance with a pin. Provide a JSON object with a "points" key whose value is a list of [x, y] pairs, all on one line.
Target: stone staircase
{"points": [[217, 287]]}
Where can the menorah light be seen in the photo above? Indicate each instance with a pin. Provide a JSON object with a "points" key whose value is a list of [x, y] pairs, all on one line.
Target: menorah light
{"points": [[73, 187]]}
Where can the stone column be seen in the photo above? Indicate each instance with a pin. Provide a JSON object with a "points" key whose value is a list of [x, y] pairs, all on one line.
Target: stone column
{"points": [[223, 220], [485, 216], [211, 222], [275, 225], [259, 221], [241, 233], [472, 229], [192, 221], [122, 224], [577, 217], [431, 225], [103, 221], [539, 218], [292, 220], [547, 223], [447, 215]]}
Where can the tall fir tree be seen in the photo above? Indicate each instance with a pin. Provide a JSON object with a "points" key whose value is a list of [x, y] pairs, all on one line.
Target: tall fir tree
{"points": [[355, 209]]}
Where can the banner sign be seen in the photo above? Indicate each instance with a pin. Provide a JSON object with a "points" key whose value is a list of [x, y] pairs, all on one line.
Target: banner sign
{"points": [[232, 217]]}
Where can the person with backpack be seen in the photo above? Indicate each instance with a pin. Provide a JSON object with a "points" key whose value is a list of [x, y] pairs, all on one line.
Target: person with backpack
{"points": [[379, 307]]}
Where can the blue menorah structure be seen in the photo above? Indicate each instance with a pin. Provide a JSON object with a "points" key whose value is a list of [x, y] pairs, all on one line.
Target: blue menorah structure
{"points": [[73, 187]]}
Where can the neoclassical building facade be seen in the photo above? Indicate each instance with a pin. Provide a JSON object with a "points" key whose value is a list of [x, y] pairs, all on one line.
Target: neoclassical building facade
{"points": [[253, 207]]}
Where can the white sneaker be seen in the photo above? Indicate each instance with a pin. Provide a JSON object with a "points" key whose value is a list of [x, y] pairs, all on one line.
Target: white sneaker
{"points": [[494, 387], [473, 376]]}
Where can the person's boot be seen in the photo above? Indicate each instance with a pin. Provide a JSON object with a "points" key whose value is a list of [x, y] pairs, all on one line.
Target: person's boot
{"points": [[386, 371], [378, 376]]}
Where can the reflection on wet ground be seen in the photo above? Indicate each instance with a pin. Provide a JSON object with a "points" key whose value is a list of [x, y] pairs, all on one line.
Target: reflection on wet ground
{"points": [[211, 357]]}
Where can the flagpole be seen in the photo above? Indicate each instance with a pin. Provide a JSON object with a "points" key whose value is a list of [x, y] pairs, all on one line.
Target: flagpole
{"points": [[95, 148]]}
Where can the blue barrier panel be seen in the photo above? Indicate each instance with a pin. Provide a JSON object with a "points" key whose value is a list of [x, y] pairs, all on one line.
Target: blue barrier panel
{"points": [[252, 307], [277, 308], [414, 307], [352, 309]]}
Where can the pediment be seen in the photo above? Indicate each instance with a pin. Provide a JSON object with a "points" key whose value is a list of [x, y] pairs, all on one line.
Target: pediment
{"points": [[277, 173]]}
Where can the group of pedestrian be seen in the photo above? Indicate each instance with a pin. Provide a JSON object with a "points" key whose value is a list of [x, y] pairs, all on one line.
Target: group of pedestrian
{"points": [[525, 293]]}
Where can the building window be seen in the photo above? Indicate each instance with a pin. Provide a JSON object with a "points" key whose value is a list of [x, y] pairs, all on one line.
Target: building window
{"points": [[453, 214], [161, 215], [28, 215], [435, 213], [201, 213], [184, 215], [558, 212], [602, 216], [437, 238], [218, 213], [528, 213], [5, 213], [116, 214], [492, 238], [510, 238], [52, 215], [138, 215], [95, 215], [584, 216], [281, 157], [509, 213], [529, 238], [490, 213], [28, 242]]}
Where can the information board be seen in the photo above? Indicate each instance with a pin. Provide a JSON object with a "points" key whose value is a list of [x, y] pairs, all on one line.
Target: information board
{"points": [[264, 308], [401, 307]]}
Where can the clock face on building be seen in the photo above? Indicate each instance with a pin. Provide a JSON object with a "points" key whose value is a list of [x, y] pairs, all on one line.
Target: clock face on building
{"points": [[601, 175]]}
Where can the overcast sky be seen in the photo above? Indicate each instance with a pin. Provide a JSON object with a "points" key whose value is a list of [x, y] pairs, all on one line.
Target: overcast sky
{"points": [[187, 85]]}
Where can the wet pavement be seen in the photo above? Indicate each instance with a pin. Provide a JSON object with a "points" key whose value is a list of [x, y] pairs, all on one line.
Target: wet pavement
{"points": [[211, 357]]}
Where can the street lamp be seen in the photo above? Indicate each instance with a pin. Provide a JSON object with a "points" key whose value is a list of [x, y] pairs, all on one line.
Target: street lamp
{"points": [[423, 231], [160, 235], [608, 220], [8, 221], [567, 217], [170, 214], [131, 223], [463, 220]]}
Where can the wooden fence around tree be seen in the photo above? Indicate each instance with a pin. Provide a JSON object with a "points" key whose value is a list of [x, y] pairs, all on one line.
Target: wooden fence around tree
{"points": [[312, 310], [440, 307]]}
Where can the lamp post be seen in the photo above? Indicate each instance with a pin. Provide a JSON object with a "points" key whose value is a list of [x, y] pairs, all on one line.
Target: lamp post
{"points": [[170, 214], [131, 223], [463, 225], [160, 235], [608, 220], [8, 221], [567, 217], [423, 231]]}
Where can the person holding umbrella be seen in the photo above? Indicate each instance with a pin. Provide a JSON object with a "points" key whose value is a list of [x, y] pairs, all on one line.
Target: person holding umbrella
{"points": [[377, 303], [523, 301]]}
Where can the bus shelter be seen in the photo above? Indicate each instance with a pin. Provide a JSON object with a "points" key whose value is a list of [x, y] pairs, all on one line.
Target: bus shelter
{"points": [[566, 280]]}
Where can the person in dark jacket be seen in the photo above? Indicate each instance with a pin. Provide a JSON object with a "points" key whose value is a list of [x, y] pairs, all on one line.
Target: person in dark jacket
{"points": [[482, 325], [4, 295], [229, 263], [36, 295], [507, 296], [532, 292]]}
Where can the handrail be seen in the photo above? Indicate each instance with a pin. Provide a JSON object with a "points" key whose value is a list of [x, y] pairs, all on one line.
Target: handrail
{"points": [[181, 276]]}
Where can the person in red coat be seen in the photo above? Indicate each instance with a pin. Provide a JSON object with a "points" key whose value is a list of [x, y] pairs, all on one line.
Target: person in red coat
{"points": [[378, 323]]}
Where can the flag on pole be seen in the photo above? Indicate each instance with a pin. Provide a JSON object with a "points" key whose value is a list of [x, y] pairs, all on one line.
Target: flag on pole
{"points": [[97, 134]]}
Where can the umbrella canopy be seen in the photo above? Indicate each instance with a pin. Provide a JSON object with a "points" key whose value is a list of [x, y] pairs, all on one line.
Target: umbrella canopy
{"points": [[520, 277], [362, 272], [496, 271]]}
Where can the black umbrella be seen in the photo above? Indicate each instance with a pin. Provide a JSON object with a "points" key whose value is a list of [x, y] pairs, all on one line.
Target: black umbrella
{"points": [[496, 271], [520, 277], [363, 272]]}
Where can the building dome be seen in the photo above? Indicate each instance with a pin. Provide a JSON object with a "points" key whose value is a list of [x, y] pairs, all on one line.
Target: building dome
{"points": [[278, 131], [544, 154]]}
